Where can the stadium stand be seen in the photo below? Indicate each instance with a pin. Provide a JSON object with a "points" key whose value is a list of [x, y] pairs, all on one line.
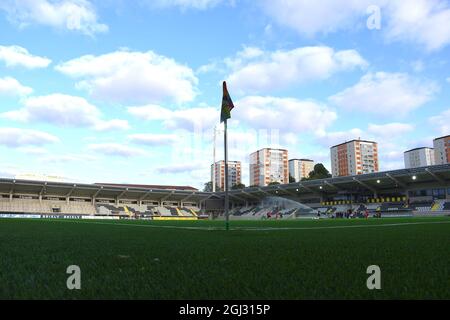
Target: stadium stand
{"points": [[423, 206], [134, 210], [22, 205], [424, 190]]}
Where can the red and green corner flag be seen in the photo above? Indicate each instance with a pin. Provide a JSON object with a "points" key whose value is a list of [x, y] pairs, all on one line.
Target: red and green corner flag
{"points": [[227, 104], [225, 113]]}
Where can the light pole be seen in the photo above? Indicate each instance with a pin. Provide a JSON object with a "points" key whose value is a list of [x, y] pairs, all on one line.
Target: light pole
{"points": [[215, 131]]}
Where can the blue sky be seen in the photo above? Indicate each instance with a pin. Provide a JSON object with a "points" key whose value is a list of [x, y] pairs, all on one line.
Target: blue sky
{"points": [[113, 91]]}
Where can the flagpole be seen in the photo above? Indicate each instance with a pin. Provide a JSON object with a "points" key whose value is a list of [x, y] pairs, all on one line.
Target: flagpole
{"points": [[227, 218], [214, 161]]}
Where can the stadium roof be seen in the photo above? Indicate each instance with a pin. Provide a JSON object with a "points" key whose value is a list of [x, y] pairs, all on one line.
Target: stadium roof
{"points": [[378, 182], [144, 186], [63, 189]]}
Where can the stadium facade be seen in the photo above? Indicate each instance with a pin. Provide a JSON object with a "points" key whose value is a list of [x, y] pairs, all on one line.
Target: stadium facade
{"points": [[424, 189]]}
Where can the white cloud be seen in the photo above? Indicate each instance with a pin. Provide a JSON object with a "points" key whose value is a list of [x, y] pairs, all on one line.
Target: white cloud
{"points": [[285, 114], [111, 125], [15, 137], [254, 70], [153, 139], [33, 150], [423, 22], [441, 122], [72, 15], [115, 149], [329, 139], [65, 111], [14, 56], [390, 130], [188, 119], [394, 94], [418, 66], [64, 158], [312, 17], [11, 87], [59, 109], [185, 4], [132, 77], [180, 168]]}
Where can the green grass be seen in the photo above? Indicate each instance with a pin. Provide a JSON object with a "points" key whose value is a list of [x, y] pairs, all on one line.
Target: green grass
{"points": [[307, 260]]}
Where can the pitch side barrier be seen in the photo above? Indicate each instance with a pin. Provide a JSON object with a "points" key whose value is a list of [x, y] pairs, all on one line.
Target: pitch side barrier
{"points": [[90, 217], [54, 216]]}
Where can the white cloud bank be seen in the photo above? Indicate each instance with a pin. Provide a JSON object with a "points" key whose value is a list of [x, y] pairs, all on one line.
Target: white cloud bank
{"points": [[393, 94], [441, 122], [14, 56], [254, 70], [185, 4], [72, 15], [422, 22], [65, 111], [288, 115], [115, 149], [189, 119], [16, 137], [11, 87], [132, 77]]}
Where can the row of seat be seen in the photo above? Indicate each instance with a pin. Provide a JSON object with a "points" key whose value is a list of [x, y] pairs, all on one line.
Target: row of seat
{"points": [[45, 206], [146, 210]]}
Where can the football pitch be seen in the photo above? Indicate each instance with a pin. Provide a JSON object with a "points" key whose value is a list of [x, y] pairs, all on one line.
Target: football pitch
{"points": [[296, 259]]}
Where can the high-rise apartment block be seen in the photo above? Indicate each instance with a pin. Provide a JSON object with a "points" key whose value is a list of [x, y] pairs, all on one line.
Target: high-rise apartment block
{"points": [[354, 157], [269, 165]]}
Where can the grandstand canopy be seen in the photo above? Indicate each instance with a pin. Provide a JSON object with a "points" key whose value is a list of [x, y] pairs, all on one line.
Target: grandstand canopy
{"points": [[375, 183], [105, 191]]}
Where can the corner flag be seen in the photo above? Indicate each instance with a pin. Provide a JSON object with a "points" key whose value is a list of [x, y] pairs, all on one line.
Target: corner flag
{"points": [[227, 104], [225, 113]]}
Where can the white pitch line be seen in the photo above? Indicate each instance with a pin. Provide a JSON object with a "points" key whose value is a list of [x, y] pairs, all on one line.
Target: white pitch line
{"points": [[260, 229], [342, 227], [139, 225]]}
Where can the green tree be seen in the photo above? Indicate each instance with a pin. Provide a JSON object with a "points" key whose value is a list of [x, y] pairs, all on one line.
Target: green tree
{"points": [[291, 179], [238, 186], [273, 183], [208, 187], [319, 172]]}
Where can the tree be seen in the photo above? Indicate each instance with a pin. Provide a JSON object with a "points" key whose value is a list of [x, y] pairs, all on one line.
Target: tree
{"points": [[291, 179], [238, 186], [319, 172], [208, 187], [273, 183]]}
